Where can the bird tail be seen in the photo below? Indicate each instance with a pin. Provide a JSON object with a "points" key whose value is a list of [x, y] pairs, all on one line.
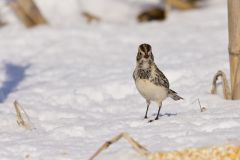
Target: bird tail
{"points": [[174, 95]]}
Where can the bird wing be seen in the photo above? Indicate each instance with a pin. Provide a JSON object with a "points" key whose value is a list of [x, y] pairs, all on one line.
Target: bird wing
{"points": [[160, 79]]}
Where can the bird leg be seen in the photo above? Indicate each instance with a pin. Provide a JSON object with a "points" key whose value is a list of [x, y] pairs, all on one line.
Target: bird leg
{"points": [[148, 103], [157, 113], [160, 106]]}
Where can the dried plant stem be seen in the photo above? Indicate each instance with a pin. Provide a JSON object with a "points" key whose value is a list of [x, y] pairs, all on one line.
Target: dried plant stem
{"points": [[21, 116], [180, 4], [138, 147], [226, 88], [28, 12], [202, 109]]}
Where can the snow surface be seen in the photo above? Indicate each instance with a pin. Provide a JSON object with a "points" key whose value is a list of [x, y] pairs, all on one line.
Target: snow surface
{"points": [[75, 82]]}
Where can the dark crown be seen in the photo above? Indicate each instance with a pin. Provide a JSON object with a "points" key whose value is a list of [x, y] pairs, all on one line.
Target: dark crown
{"points": [[145, 47]]}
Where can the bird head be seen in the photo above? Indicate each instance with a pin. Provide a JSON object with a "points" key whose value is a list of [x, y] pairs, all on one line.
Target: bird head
{"points": [[145, 56]]}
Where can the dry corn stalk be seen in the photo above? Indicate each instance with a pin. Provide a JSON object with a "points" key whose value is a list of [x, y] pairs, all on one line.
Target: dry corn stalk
{"points": [[225, 86], [234, 54], [181, 4], [21, 116], [234, 46], [28, 12], [215, 153]]}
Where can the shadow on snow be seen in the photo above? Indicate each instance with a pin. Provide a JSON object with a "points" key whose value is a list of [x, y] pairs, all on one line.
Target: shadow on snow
{"points": [[15, 75]]}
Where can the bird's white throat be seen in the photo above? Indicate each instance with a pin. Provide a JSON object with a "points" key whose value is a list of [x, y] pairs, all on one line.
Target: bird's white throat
{"points": [[145, 65]]}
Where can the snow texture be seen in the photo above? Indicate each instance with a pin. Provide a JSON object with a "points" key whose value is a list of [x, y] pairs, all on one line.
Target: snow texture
{"points": [[75, 81]]}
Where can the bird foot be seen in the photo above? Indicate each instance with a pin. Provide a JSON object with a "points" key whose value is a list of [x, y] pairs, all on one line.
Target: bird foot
{"points": [[153, 120], [150, 120]]}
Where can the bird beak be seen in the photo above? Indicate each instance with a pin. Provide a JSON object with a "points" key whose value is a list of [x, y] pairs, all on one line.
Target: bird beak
{"points": [[146, 56]]}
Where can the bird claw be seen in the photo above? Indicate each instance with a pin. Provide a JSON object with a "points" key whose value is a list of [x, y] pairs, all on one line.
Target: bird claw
{"points": [[153, 120], [150, 120]]}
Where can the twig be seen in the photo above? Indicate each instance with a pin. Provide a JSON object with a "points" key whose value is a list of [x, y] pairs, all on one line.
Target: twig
{"points": [[202, 109], [182, 5]]}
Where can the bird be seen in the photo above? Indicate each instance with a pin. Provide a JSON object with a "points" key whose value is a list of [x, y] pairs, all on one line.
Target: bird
{"points": [[150, 82]]}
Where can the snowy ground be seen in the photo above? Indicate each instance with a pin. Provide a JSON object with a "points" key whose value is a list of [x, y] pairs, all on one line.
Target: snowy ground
{"points": [[75, 82]]}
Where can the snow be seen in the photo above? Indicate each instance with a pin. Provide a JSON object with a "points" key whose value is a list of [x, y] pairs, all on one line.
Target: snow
{"points": [[75, 82]]}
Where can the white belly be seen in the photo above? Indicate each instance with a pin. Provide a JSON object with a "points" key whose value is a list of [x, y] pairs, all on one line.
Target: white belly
{"points": [[150, 91]]}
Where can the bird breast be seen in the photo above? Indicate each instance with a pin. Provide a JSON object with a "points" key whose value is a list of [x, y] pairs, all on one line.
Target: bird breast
{"points": [[150, 91]]}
